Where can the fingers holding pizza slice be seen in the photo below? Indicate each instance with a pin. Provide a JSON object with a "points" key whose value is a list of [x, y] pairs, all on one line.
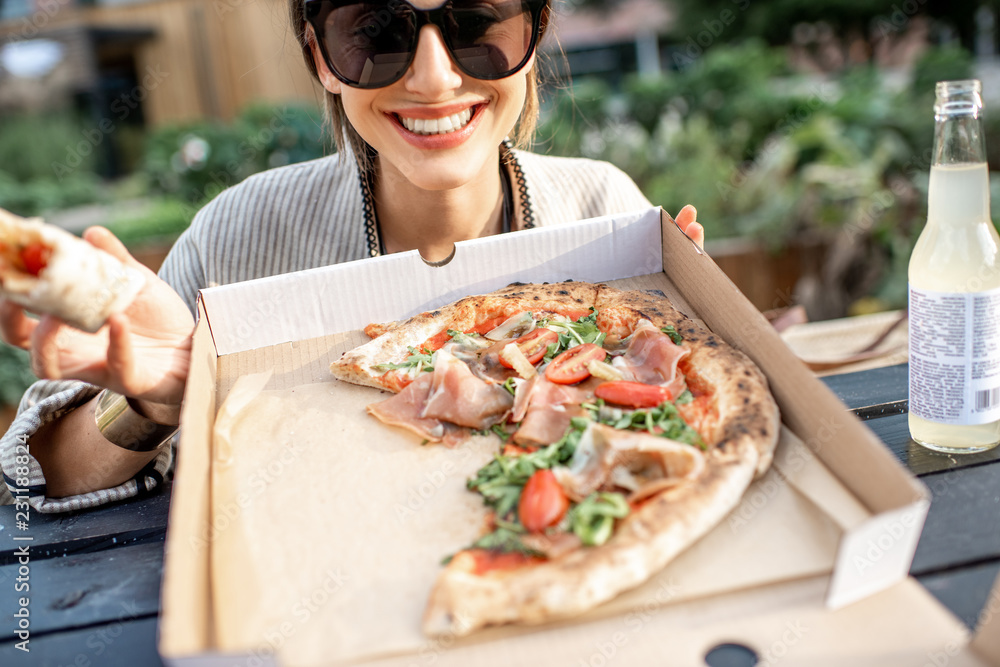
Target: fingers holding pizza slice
{"points": [[629, 431], [49, 271]]}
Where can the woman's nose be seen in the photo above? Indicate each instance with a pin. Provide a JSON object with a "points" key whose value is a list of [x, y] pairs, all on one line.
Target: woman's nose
{"points": [[432, 72]]}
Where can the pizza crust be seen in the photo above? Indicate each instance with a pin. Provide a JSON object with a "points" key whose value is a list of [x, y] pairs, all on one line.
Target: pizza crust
{"points": [[358, 365], [649, 538], [740, 438]]}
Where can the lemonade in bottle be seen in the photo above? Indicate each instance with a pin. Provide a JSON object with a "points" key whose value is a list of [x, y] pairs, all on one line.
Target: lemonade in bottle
{"points": [[954, 285]]}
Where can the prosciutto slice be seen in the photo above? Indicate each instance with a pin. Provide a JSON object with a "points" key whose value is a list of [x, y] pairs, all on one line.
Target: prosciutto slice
{"points": [[642, 463], [652, 358], [405, 409], [456, 395], [435, 402], [546, 409]]}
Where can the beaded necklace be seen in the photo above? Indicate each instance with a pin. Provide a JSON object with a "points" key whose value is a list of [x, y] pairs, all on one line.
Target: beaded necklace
{"points": [[373, 235]]}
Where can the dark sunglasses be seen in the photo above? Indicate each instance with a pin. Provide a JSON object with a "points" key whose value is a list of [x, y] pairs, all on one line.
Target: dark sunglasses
{"points": [[371, 44]]}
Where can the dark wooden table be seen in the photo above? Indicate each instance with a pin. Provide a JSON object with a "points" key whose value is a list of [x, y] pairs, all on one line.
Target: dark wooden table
{"points": [[95, 576]]}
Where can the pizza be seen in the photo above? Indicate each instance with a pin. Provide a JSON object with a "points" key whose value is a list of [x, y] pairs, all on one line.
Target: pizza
{"points": [[627, 431], [49, 271]]}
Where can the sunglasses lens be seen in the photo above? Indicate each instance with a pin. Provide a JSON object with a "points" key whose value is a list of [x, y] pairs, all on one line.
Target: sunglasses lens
{"points": [[489, 39], [370, 43]]}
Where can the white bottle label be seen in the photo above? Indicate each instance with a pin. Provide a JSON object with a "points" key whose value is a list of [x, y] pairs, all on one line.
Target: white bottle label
{"points": [[955, 356]]}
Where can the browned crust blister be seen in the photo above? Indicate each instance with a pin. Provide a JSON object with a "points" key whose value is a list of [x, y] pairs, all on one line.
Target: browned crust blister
{"points": [[740, 448]]}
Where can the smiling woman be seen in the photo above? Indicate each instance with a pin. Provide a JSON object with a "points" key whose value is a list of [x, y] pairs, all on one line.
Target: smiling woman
{"points": [[424, 98]]}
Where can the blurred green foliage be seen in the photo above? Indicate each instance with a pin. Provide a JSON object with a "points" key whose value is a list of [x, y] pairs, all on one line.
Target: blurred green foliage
{"points": [[775, 20], [195, 161], [46, 163], [942, 64], [15, 374], [160, 221], [766, 155]]}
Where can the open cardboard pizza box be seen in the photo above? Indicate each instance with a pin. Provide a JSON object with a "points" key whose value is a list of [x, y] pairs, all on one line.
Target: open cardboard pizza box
{"points": [[303, 532]]}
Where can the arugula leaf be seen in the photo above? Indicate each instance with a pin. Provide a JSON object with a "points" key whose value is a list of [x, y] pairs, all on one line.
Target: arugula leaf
{"points": [[593, 518], [684, 398], [418, 359], [571, 334], [500, 481], [663, 420], [672, 333], [509, 385], [505, 539]]}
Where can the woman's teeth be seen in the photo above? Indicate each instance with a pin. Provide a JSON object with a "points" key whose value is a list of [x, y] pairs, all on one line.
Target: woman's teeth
{"points": [[444, 125]]}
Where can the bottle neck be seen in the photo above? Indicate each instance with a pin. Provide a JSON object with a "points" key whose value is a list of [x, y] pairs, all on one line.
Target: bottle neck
{"points": [[959, 139], [959, 192]]}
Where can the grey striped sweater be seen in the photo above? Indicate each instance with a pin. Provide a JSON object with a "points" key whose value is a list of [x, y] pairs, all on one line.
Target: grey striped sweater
{"points": [[296, 217]]}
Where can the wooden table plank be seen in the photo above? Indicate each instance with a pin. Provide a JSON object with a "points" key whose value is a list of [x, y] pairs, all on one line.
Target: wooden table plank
{"points": [[880, 390], [964, 591], [124, 643], [85, 589], [895, 433], [871, 387], [963, 525], [132, 521]]}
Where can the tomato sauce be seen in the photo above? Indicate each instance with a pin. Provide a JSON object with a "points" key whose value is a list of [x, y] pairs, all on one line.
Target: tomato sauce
{"points": [[493, 561], [396, 380], [435, 342], [700, 414]]}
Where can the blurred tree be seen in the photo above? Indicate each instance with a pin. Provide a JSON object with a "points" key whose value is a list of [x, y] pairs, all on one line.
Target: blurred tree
{"points": [[774, 21]]}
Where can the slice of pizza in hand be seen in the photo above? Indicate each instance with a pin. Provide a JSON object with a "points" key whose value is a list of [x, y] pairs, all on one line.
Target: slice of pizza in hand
{"points": [[629, 432], [49, 271]]}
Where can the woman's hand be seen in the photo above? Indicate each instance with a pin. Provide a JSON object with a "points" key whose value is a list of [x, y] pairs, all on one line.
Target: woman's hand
{"points": [[142, 353], [687, 220]]}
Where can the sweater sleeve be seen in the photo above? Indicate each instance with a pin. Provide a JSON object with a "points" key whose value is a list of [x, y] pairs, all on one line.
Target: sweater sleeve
{"points": [[24, 481]]}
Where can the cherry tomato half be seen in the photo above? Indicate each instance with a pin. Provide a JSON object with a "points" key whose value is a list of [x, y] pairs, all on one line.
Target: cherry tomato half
{"points": [[533, 344], [35, 256], [571, 366], [632, 394], [543, 502]]}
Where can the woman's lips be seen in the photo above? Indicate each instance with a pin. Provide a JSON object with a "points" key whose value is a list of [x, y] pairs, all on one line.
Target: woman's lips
{"points": [[424, 121]]}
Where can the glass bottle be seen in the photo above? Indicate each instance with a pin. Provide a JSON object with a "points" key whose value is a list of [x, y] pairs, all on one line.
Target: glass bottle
{"points": [[954, 284]]}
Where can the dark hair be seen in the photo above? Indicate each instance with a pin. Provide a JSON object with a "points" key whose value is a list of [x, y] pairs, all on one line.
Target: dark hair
{"points": [[341, 127]]}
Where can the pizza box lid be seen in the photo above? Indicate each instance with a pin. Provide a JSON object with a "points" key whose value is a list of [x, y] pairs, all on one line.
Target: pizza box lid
{"points": [[289, 324]]}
